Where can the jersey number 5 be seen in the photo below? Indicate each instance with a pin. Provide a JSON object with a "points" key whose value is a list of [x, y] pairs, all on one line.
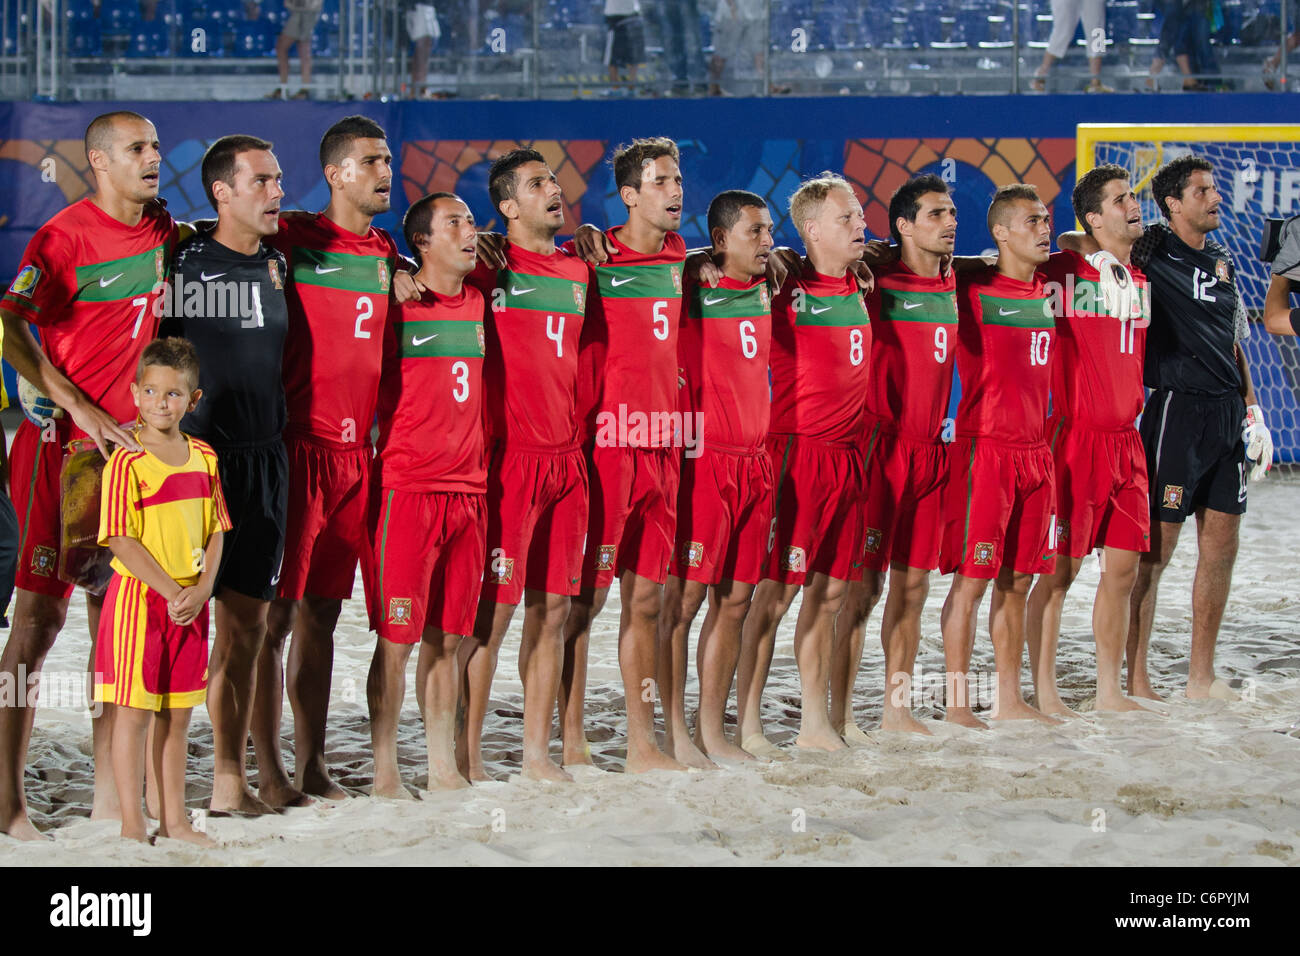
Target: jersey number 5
{"points": [[661, 316]]}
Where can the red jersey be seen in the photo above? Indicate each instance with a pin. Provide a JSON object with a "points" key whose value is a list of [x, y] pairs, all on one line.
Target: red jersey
{"points": [[724, 345], [431, 396], [533, 316], [1004, 357], [913, 345], [338, 312], [629, 343], [821, 336], [1097, 375], [91, 284]]}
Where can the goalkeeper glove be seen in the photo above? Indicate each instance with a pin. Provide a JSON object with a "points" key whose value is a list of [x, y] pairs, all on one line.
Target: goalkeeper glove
{"points": [[1259, 442], [1119, 292]]}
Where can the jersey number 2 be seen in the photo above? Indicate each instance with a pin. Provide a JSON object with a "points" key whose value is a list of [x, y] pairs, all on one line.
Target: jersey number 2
{"points": [[365, 309]]}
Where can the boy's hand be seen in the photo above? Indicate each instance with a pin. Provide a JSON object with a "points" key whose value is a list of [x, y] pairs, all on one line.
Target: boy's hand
{"points": [[185, 607]]}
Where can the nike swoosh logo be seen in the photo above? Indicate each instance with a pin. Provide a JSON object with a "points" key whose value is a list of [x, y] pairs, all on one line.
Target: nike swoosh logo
{"points": [[911, 305], [1002, 311], [517, 291], [105, 283], [817, 311], [321, 272], [709, 301], [1174, 257], [204, 277], [618, 282], [417, 341]]}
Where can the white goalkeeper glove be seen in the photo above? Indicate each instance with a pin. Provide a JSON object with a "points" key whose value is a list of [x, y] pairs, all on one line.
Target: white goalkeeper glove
{"points": [[1259, 442], [1119, 292], [37, 406]]}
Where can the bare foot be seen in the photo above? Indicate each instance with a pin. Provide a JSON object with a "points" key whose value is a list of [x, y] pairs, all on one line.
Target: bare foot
{"points": [[477, 774], [964, 717], [1143, 689], [188, 835], [1216, 689], [1019, 710], [1118, 703], [105, 809], [854, 736], [140, 835], [279, 796], [1056, 708], [826, 739], [760, 746], [446, 778], [20, 828], [722, 750], [685, 752], [579, 753], [240, 799], [390, 790], [545, 769], [650, 758], [318, 784], [903, 721]]}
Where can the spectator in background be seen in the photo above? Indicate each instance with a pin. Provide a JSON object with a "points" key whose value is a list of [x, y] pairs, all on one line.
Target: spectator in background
{"points": [[624, 40], [1273, 62], [422, 25], [298, 26], [1065, 17], [1184, 36], [681, 32], [739, 31]]}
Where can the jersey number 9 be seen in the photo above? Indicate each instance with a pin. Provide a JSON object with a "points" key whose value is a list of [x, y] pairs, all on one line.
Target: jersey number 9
{"points": [[940, 344]]}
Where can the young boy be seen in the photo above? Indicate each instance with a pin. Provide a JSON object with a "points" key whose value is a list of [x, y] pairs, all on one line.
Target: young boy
{"points": [[163, 515]]}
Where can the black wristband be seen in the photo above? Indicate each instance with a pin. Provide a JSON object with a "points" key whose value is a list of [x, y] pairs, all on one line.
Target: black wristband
{"points": [[1295, 321]]}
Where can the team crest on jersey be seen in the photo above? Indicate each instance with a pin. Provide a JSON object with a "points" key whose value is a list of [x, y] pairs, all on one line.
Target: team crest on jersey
{"points": [[605, 557], [482, 340], [399, 611], [578, 295], [984, 552], [383, 276], [1173, 497], [1062, 530], [160, 263], [874, 537], [1221, 269], [693, 553], [274, 268], [763, 298], [794, 559], [503, 570], [43, 560], [677, 277], [26, 281]]}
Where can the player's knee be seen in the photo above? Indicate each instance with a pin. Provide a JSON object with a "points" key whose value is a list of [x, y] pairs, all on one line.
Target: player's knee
{"points": [[36, 624]]}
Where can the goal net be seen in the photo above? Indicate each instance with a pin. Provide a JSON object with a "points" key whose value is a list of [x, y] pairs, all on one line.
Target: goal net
{"points": [[1257, 170]]}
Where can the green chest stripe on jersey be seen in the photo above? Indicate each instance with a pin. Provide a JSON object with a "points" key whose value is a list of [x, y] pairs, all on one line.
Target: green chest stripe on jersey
{"points": [[341, 270], [730, 303], [838, 311], [1021, 313], [541, 293], [659, 281], [124, 278], [901, 305], [440, 339]]}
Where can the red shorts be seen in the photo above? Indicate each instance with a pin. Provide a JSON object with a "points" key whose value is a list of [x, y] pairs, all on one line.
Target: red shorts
{"points": [[1000, 509], [325, 530], [906, 478], [142, 658], [34, 467], [817, 511], [1101, 489], [724, 517], [537, 518], [633, 515], [425, 563]]}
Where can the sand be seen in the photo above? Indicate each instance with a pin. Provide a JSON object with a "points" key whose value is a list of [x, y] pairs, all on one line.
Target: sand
{"points": [[1212, 783]]}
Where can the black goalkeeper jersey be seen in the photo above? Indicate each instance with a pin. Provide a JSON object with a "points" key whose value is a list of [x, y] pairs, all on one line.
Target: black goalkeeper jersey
{"points": [[232, 307], [1196, 318]]}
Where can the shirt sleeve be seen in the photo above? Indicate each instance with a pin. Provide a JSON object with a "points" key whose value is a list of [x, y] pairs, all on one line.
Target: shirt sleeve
{"points": [[219, 518], [1151, 240], [45, 284], [119, 504]]}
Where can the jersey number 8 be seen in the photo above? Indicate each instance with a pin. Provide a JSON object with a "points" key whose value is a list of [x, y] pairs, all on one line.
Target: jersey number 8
{"points": [[855, 347]]}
